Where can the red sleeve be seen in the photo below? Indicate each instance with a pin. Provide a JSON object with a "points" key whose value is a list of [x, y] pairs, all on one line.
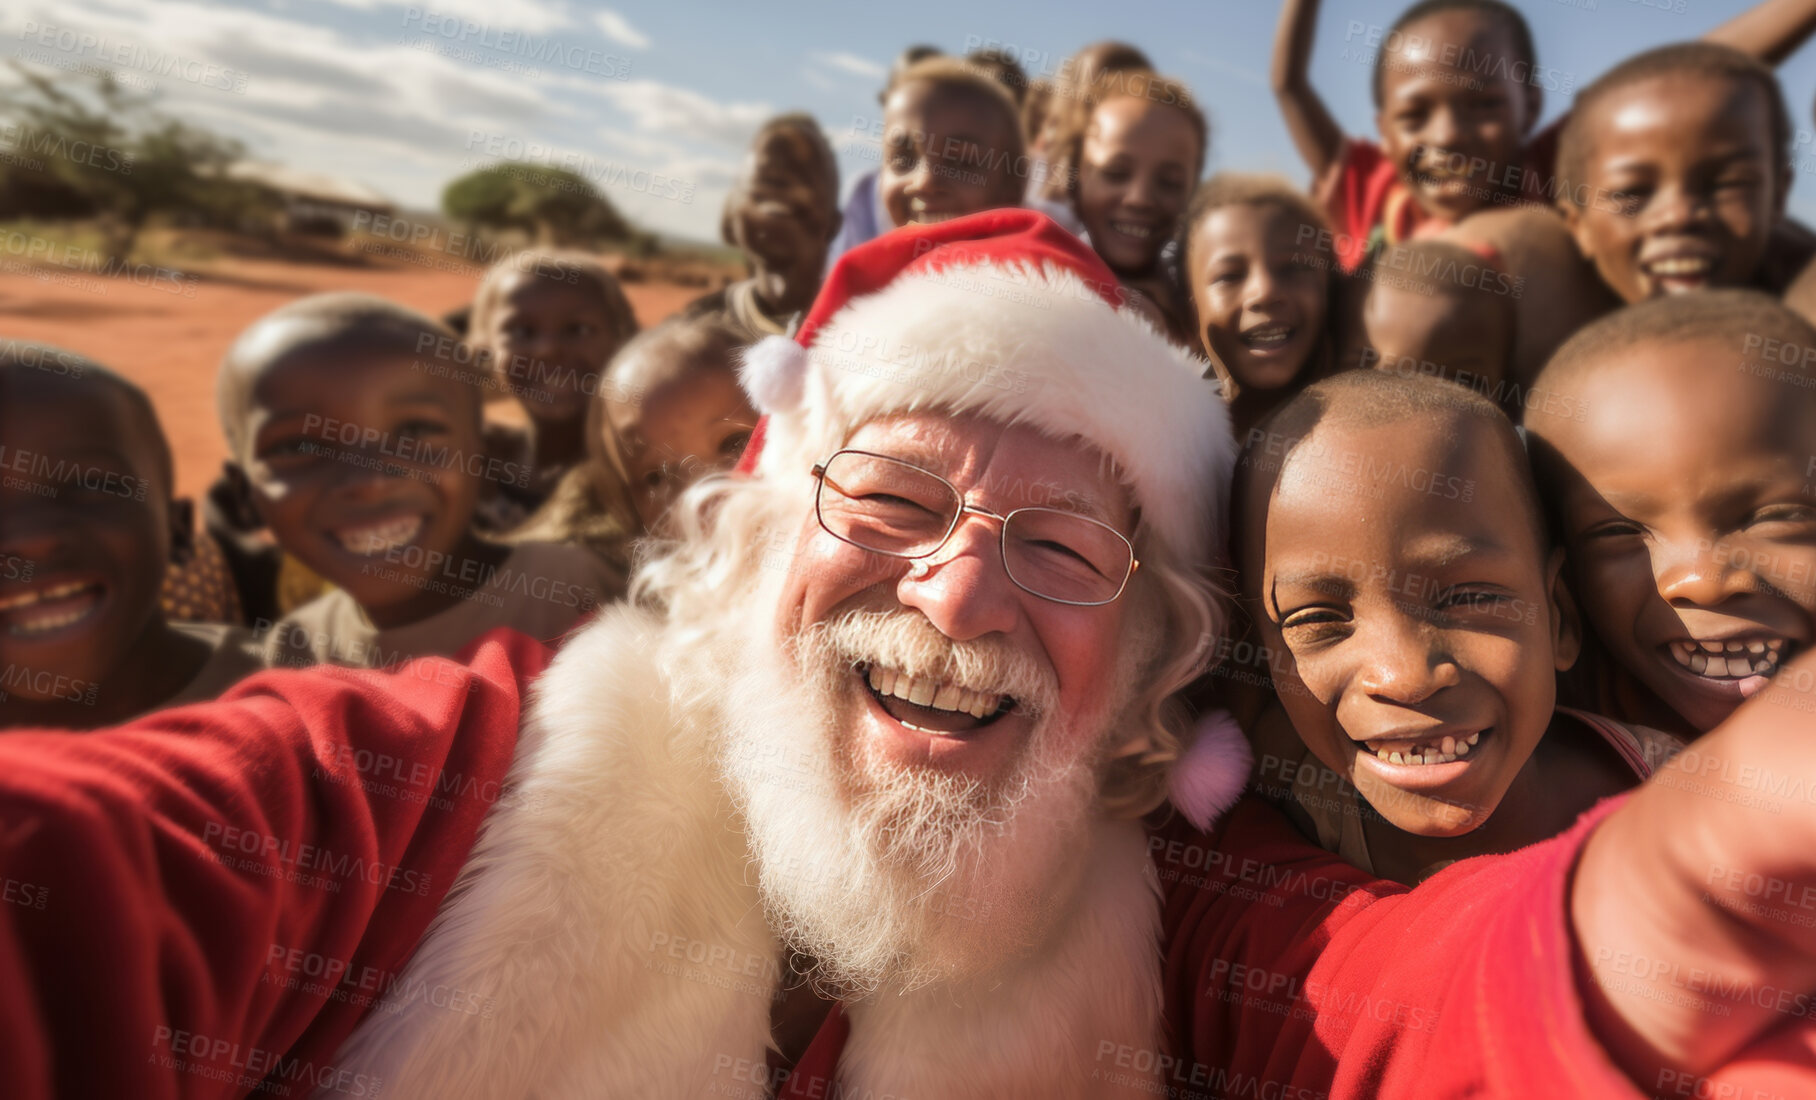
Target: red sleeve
{"points": [[211, 896], [1292, 974], [1353, 191]]}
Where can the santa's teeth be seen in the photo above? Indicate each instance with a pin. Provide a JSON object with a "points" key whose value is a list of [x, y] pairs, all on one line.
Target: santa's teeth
{"points": [[933, 694]]}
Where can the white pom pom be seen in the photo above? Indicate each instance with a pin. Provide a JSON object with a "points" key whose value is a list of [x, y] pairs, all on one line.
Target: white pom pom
{"points": [[774, 372], [1211, 774]]}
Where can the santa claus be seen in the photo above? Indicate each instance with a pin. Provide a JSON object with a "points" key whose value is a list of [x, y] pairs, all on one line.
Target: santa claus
{"points": [[874, 791]]}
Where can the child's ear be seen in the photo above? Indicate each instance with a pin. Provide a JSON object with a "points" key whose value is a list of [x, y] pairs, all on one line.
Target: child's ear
{"points": [[1573, 221], [1566, 623]]}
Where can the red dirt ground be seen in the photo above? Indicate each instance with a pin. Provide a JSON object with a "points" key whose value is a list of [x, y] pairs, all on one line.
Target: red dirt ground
{"points": [[170, 342]]}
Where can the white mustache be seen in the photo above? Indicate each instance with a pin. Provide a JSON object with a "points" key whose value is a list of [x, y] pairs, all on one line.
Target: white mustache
{"points": [[907, 642]]}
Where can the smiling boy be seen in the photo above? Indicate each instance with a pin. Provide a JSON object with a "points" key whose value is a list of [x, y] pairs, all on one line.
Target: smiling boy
{"points": [[1677, 164], [85, 532], [1395, 564], [1684, 489], [366, 463]]}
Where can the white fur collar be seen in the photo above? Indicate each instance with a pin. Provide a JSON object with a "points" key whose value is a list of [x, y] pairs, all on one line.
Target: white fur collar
{"points": [[608, 929]]}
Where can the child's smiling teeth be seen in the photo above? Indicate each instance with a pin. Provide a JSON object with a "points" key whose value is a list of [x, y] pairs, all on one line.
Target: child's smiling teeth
{"points": [[918, 214], [1680, 267], [1268, 336], [375, 538], [941, 701], [1443, 751], [1729, 660], [1137, 230], [73, 601]]}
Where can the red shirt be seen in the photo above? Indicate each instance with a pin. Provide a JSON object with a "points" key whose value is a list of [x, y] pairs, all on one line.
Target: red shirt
{"points": [[1370, 207], [1291, 975]]}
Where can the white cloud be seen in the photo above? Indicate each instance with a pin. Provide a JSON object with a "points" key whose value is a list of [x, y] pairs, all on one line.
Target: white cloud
{"points": [[851, 63], [617, 28], [655, 107]]}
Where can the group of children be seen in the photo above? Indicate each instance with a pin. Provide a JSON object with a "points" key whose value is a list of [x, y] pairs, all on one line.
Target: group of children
{"points": [[1470, 631]]}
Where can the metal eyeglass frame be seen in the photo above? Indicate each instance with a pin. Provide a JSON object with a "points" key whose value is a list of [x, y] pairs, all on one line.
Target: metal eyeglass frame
{"points": [[1002, 541]]}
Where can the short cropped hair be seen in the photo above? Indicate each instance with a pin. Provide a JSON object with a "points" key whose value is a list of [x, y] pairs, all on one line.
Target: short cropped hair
{"points": [[26, 359], [1372, 399], [1706, 59], [1743, 318], [558, 264], [1506, 14]]}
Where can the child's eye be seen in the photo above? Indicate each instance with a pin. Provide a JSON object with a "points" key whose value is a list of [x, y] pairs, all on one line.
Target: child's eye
{"points": [[581, 328], [901, 160], [1311, 617], [1479, 600], [1783, 519], [1614, 529], [519, 331], [416, 429], [1629, 200]]}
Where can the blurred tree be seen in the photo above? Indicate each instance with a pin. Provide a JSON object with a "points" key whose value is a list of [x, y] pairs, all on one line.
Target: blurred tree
{"points": [[553, 205], [79, 144]]}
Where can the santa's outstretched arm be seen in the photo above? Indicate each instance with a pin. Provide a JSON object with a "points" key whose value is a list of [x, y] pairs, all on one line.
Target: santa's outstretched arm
{"points": [[1708, 873], [210, 897]]}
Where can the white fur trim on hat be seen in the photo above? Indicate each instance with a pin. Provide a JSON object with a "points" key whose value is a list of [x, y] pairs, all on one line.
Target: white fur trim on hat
{"points": [[1022, 345], [773, 371]]}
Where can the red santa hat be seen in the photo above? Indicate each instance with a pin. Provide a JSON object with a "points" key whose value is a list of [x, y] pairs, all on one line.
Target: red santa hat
{"points": [[1008, 316]]}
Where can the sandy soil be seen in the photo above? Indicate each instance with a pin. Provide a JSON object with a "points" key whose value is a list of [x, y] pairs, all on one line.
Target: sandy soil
{"points": [[168, 334]]}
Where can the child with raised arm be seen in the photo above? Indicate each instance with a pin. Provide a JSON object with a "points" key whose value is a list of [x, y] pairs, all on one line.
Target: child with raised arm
{"points": [[1458, 92], [1395, 564], [362, 453], [86, 529], [1674, 450]]}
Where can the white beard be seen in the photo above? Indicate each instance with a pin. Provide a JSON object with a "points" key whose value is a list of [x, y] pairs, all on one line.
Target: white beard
{"points": [[894, 877]]}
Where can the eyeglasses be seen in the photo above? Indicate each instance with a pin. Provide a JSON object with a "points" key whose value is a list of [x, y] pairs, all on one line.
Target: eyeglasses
{"points": [[891, 507]]}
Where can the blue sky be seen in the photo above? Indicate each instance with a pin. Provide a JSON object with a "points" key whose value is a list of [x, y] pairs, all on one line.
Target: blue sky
{"points": [[656, 100]]}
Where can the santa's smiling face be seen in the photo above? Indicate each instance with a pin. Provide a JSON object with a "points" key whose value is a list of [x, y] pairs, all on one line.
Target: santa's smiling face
{"points": [[964, 593], [897, 842]]}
